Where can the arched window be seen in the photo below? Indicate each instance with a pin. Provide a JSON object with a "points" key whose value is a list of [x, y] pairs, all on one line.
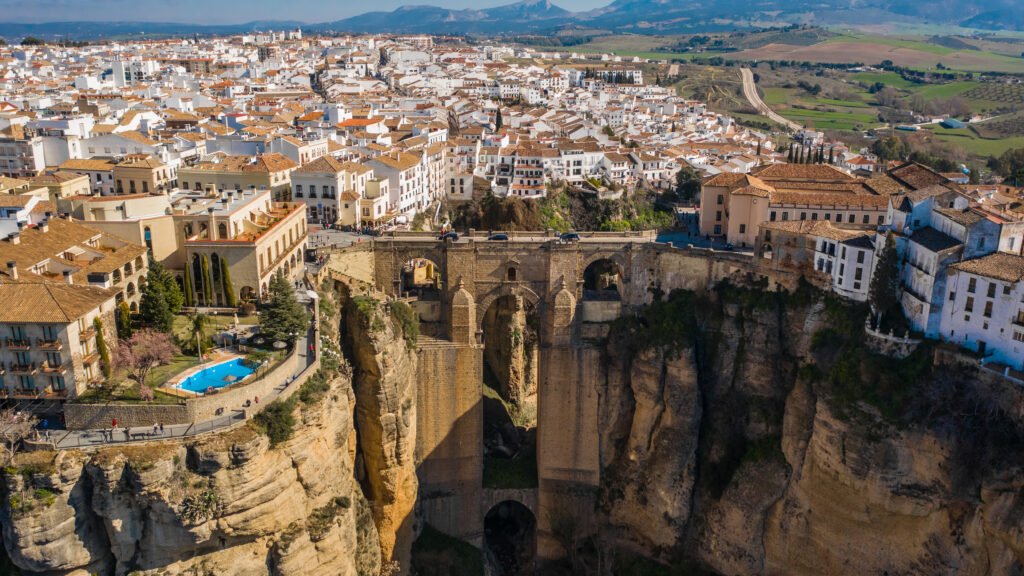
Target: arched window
{"points": [[512, 272], [222, 231]]}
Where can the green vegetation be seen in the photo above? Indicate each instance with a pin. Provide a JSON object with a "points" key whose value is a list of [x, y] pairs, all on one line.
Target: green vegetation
{"points": [[101, 347], [405, 320], [322, 519], [161, 299], [435, 553], [284, 318], [277, 421], [205, 505]]}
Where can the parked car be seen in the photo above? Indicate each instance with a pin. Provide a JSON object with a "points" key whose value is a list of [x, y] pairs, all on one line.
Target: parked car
{"points": [[728, 247], [453, 236], [498, 237], [569, 237]]}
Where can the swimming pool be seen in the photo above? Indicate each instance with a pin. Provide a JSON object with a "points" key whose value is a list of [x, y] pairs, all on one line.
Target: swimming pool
{"points": [[217, 376]]}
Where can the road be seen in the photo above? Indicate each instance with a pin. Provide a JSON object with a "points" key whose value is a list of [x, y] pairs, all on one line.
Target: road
{"points": [[750, 91], [516, 238]]}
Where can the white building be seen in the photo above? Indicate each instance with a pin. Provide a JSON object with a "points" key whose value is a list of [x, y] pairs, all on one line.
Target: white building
{"points": [[984, 307]]}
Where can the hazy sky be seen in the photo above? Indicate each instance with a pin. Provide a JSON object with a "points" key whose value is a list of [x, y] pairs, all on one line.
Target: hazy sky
{"points": [[225, 11]]}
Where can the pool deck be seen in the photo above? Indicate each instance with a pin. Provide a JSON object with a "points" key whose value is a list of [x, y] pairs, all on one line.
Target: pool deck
{"points": [[216, 357]]}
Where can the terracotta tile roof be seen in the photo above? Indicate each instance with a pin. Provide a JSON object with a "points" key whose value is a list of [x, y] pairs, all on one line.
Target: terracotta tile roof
{"points": [[999, 265], [915, 176], [771, 172], [828, 199], [821, 228], [33, 302], [94, 164], [322, 165]]}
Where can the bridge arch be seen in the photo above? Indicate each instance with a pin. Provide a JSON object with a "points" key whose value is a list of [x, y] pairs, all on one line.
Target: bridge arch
{"points": [[484, 302], [510, 535]]}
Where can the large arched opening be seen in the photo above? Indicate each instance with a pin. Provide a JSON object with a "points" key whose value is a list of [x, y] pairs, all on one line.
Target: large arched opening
{"points": [[510, 327], [510, 539], [421, 277], [602, 280]]}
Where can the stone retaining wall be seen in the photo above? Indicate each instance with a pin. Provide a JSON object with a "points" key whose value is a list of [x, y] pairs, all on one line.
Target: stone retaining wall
{"points": [[91, 416], [205, 407]]}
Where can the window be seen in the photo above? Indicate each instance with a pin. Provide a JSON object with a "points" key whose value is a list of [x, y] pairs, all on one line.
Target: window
{"points": [[860, 256], [1018, 336], [991, 289], [827, 216], [814, 215], [858, 274], [867, 219], [718, 229], [718, 215], [972, 285], [881, 220], [803, 215], [988, 309], [721, 200], [851, 219], [969, 306], [771, 216], [952, 296], [785, 216], [743, 228], [842, 270], [1006, 290]]}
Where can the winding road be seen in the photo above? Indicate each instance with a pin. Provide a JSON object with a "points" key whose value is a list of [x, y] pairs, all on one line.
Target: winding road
{"points": [[750, 91]]}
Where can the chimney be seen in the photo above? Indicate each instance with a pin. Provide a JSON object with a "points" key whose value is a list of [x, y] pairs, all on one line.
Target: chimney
{"points": [[67, 278], [44, 226], [12, 269], [14, 238]]}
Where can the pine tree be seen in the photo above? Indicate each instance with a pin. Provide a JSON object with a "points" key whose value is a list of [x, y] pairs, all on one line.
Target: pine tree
{"points": [[498, 122], [885, 282], [283, 315], [172, 292], [154, 310]]}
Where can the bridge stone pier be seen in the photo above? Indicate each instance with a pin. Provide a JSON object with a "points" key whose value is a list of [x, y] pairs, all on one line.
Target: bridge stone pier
{"points": [[575, 290]]}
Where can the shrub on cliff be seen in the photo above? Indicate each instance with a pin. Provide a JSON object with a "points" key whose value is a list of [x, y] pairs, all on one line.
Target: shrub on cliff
{"points": [[406, 320], [277, 421]]}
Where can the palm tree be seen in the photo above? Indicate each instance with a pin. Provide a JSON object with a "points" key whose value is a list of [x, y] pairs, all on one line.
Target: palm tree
{"points": [[200, 322]]}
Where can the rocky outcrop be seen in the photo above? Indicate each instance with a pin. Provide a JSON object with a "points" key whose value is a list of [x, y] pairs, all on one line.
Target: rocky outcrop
{"points": [[227, 503], [384, 364], [738, 455]]}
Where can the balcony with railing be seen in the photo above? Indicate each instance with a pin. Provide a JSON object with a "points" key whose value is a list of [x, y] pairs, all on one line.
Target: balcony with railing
{"points": [[48, 368], [89, 332], [53, 345], [17, 368], [19, 344]]}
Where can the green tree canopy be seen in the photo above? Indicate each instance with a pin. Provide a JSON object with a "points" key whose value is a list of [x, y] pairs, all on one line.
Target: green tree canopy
{"points": [[688, 182], [889, 148], [31, 41], [154, 309], [283, 315]]}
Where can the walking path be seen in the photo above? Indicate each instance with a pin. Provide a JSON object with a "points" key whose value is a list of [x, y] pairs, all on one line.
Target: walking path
{"points": [[750, 91], [63, 439]]}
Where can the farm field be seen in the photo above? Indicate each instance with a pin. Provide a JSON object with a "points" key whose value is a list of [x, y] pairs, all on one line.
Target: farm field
{"points": [[876, 50], [968, 140]]}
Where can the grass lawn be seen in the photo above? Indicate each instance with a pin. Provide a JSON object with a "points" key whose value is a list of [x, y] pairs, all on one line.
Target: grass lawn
{"points": [[183, 323], [895, 42], [975, 144]]}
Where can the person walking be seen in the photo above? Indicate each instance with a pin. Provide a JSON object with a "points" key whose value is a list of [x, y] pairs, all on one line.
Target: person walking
{"points": [[156, 428], [161, 427]]}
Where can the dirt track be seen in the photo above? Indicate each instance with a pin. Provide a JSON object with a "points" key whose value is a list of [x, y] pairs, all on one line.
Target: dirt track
{"points": [[750, 91]]}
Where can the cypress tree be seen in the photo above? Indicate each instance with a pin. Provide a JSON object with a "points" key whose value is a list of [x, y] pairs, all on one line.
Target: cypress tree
{"points": [[229, 289], [498, 122], [124, 321], [101, 347], [883, 292], [188, 286], [207, 285], [832, 156]]}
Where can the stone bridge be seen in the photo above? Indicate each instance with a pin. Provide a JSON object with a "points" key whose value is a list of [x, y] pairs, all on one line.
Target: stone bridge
{"points": [[454, 285]]}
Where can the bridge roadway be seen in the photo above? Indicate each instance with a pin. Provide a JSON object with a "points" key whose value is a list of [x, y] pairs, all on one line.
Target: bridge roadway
{"points": [[644, 237]]}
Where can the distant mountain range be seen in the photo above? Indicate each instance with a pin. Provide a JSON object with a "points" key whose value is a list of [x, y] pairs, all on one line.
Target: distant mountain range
{"points": [[636, 16]]}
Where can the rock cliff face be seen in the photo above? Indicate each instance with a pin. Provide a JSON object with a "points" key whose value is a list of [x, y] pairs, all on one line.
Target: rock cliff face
{"points": [[223, 504], [737, 451], [384, 364]]}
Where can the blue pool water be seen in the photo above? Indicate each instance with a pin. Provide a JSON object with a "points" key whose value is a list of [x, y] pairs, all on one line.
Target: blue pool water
{"points": [[214, 376]]}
